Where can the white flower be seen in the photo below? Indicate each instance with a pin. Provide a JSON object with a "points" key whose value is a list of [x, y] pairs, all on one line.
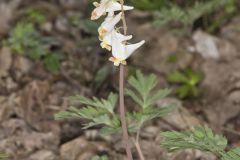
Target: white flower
{"points": [[107, 39], [121, 51], [109, 23], [106, 6], [110, 38]]}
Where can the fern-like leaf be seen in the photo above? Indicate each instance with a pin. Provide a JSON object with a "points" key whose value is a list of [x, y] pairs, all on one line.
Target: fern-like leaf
{"points": [[187, 16], [160, 94], [151, 113], [142, 90], [3, 156], [233, 154], [97, 111], [86, 112], [107, 104], [201, 138]]}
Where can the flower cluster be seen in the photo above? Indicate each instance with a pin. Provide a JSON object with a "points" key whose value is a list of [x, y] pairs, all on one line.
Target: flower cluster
{"points": [[110, 37]]}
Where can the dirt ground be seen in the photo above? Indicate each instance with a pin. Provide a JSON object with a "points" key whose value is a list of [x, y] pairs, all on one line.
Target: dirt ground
{"points": [[30, 95]]}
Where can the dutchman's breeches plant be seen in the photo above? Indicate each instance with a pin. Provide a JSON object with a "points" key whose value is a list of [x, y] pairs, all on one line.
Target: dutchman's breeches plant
{"points": [[112, 40], [140, 88], [143, 92]]}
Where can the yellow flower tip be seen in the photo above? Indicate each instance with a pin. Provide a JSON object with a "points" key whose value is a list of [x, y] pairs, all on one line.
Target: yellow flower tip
{"points": [[106, 46], [117, 62], [124, 62], [100, 38], [102, 32]]}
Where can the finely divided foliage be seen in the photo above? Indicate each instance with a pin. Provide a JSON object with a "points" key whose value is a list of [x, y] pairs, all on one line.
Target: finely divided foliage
{"points": [[97, 111], [26, 40], [143, 91], [233, 154], [187, 16], [101, 111], [3, 156], [200, 138]]}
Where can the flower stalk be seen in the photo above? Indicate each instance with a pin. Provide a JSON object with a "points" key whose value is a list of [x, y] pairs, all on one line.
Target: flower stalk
{"points": [[123, 114], [121, 94]]}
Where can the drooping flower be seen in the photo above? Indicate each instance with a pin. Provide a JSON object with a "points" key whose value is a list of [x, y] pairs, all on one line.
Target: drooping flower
{"points": [[107, 39], [110, 38], [109, 23], [106, 6], [121, 51]]}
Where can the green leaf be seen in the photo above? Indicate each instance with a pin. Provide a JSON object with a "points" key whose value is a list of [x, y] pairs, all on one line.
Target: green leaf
{"points": [[186, 16], [26, 40], [151, 113], [233, 154], [142, 89], [184, 91], [110, 123], [177, 77], [86, 112], [35, 16], [172, 58], [99, 158], [19, 36], [3, 156], [135, 97], [156, 96], [52, 63], [188, 81], [160, 111], [106, 130], [116, 126], [107, 104], [201, 138], [103, 119], [194, 91], [194, 77], [111, 102], [136, 84], [97, 111]]}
